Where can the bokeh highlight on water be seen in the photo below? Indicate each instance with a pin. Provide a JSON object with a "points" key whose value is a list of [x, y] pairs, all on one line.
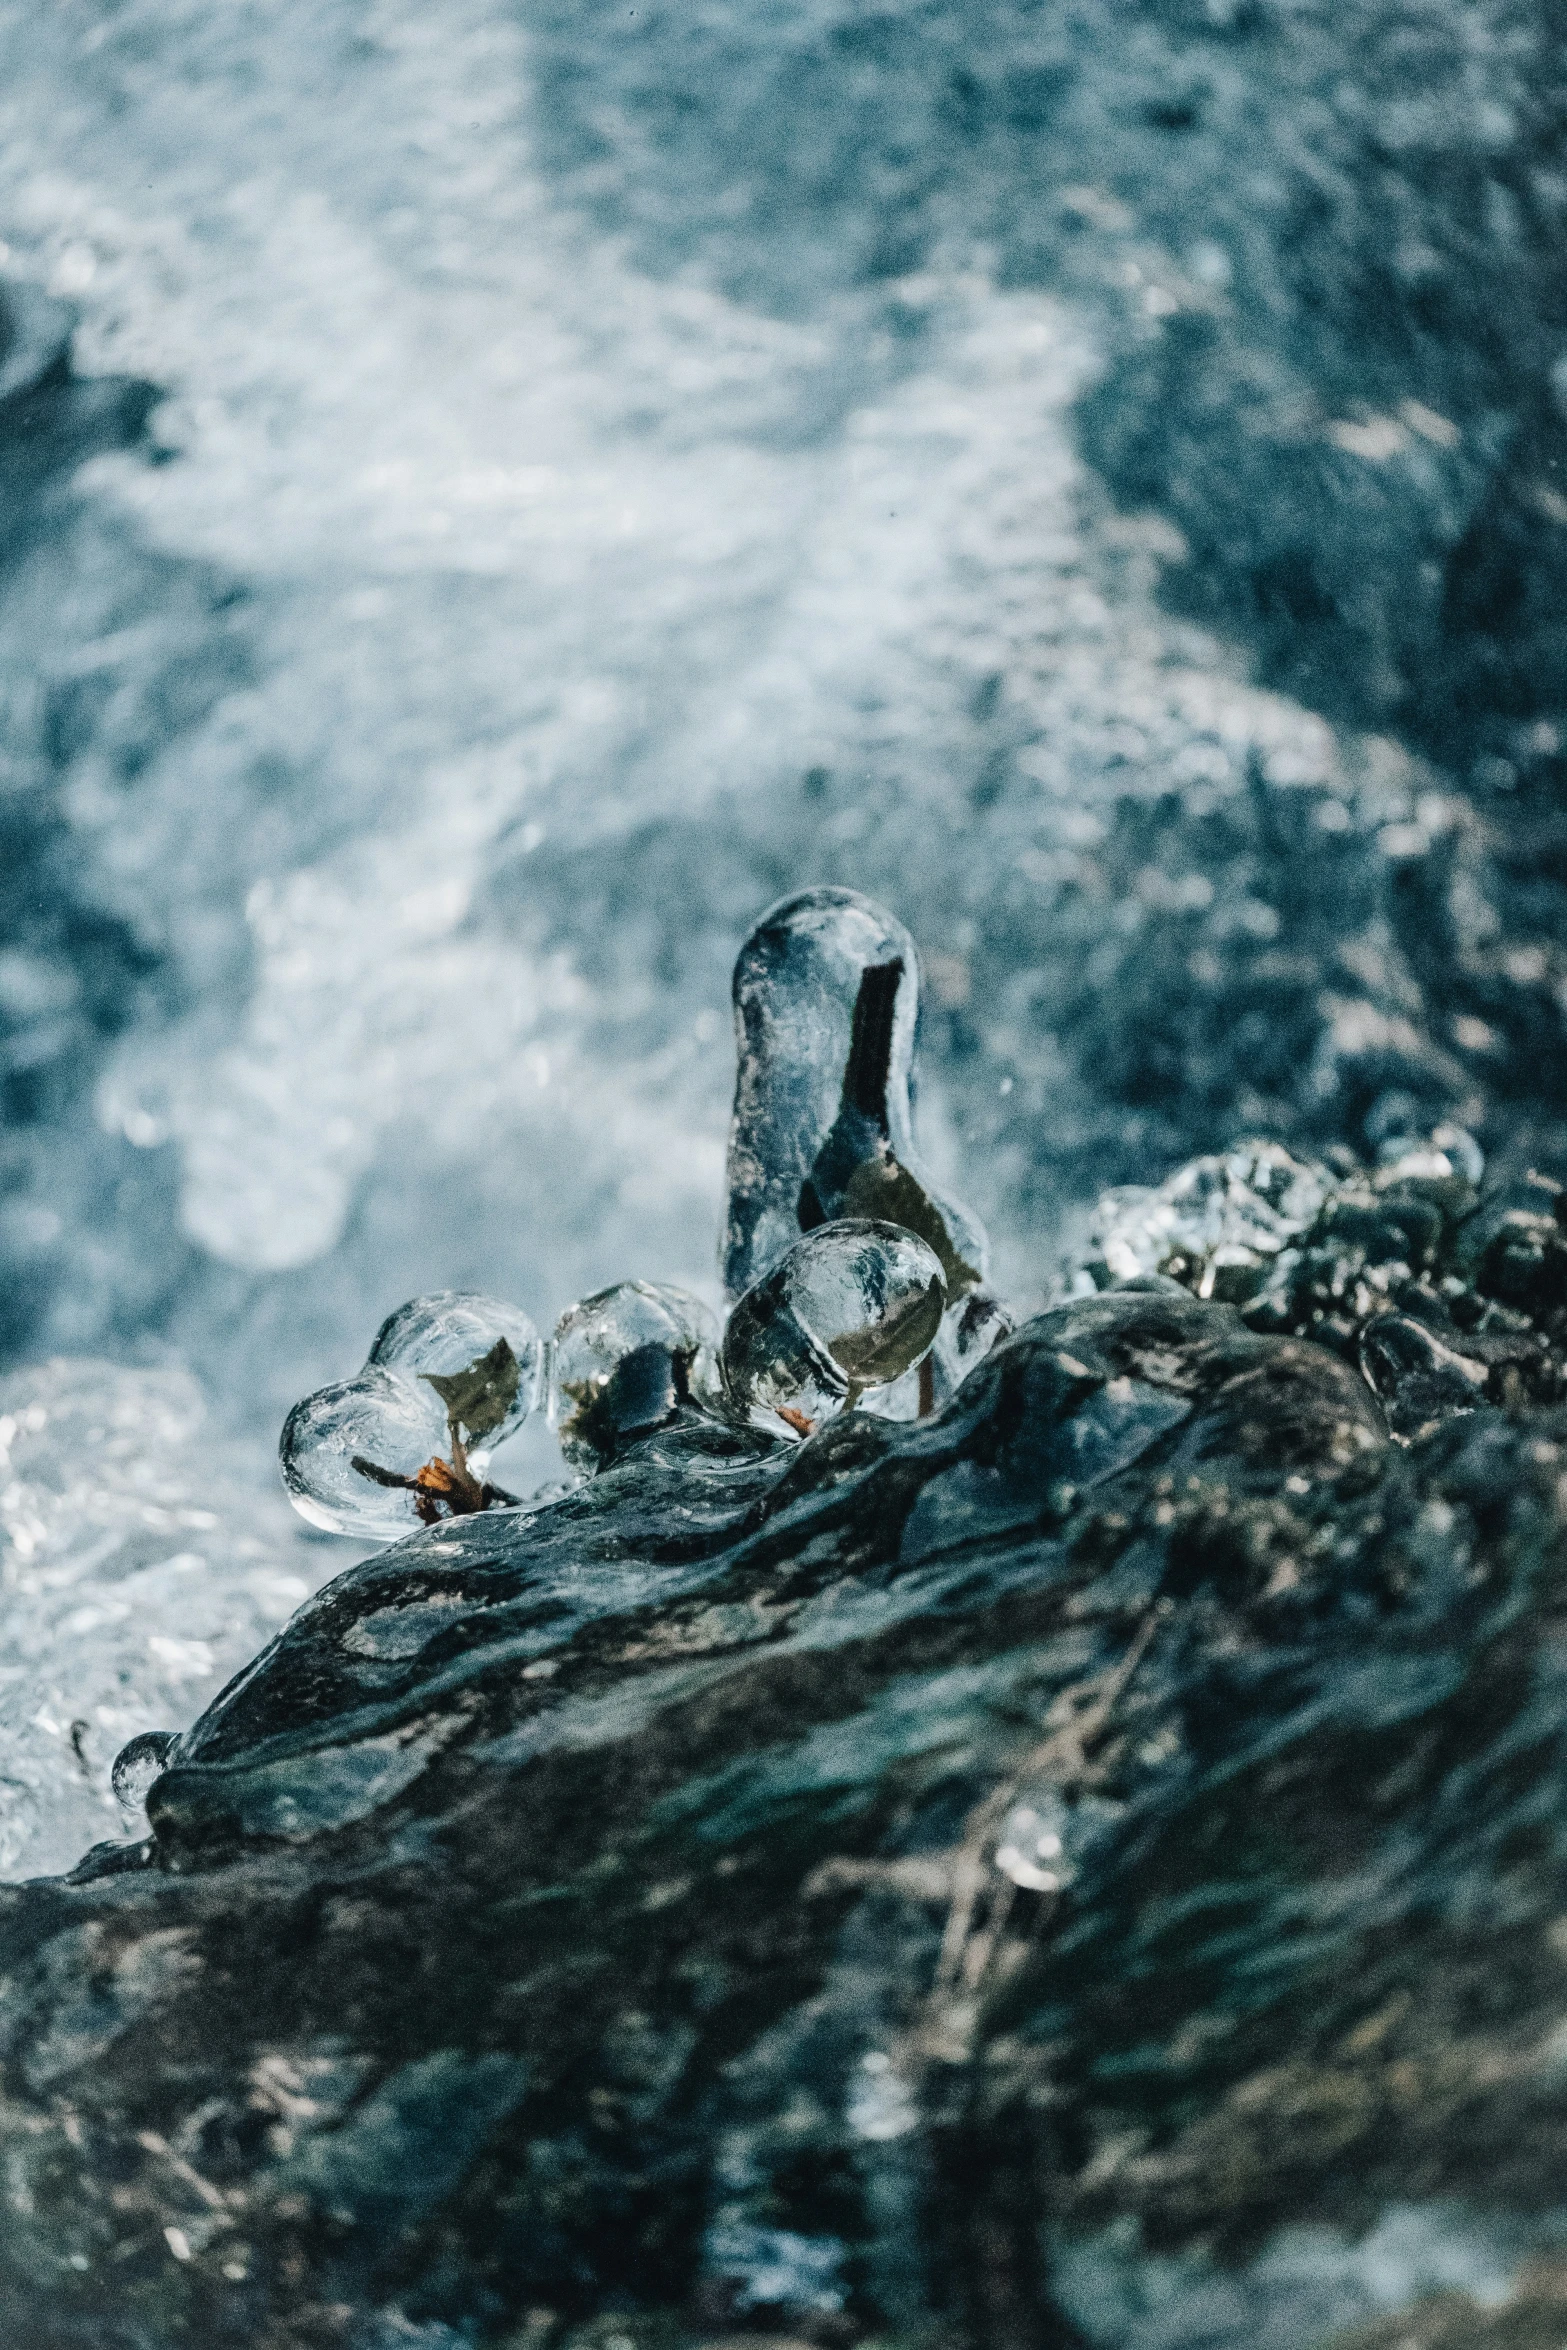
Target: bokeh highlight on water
{"points": [[493, 497]]}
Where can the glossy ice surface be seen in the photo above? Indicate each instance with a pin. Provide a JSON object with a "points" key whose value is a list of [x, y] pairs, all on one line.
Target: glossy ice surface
{"points": [[1225, 1217], [852, 1307], [375, 1416], [826, 999], [139, 1761], [451, 1332], [622, 1363], [449, 1376]]}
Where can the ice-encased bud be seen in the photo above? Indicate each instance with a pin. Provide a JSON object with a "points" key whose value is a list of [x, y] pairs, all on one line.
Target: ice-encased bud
{"points": [[482, 1357], [379, 1417], [625, 1362], [853, 1306], [826, 993], [138, 1763]]}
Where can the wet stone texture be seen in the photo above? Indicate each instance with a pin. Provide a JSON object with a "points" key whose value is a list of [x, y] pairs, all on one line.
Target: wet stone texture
{"points": [[910, 1885]]}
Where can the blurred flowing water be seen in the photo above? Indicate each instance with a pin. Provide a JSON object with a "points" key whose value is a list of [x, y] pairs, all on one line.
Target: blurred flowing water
{"points": [[490, 495]]}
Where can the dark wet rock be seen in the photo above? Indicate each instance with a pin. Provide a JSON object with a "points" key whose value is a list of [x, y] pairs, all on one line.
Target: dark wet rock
{"points": [[863, 1887]]}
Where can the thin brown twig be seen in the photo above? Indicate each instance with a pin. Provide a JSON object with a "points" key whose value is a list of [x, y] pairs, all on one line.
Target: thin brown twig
{"points": [[966, 1954]]}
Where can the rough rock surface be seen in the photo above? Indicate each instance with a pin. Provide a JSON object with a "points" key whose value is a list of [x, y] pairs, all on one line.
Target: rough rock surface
{"points": [[835, 1887]]}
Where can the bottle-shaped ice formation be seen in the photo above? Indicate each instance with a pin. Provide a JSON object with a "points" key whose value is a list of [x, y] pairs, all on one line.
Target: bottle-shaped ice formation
{"points": [[408, 1438], [826, 993], [626, 1362], [850, 1308]]}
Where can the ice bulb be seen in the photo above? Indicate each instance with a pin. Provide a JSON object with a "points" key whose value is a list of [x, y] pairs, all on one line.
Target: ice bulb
{"points": [[851, 1308], [625, 1362]]}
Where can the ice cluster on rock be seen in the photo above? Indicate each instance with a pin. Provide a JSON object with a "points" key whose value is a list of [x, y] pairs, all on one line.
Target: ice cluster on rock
{"points": [[1217, 1225], [855, 1276], [1443, 1296]]}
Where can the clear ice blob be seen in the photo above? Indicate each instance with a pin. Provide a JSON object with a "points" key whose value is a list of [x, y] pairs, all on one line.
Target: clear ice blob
{"points": [[1043, 1837], [381, 1419], [1218, 1225], [482, 1357], [625, 1362], [1030, 1851], [969, 1330], [853, 1306], [1418, 1379], [138, 1763], [826, 994]]}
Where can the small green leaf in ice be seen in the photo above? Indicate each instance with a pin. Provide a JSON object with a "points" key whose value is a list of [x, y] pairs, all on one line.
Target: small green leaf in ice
{"points": [[873, 1356], [480, 1397]]}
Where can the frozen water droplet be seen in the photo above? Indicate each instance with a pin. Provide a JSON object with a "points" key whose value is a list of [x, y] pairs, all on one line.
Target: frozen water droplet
{"points": [[138, 1763], [826, 994], [1415, 1376], [379, 1417], [624, 1362], [853, 1305], [483, 1357], [1030, 1851], [1043, 1837]]}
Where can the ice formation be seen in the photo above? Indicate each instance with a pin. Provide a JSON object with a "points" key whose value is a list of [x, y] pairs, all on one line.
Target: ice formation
{"points": [[826, 1000], [859, 1276], [853, 1306], [445, 1337], [1442, 1296], [140, 1761], [1217, 1224], [372, 1417], [364, 1457], [1419, 1379], [625, 1362], [1234, 1225]]}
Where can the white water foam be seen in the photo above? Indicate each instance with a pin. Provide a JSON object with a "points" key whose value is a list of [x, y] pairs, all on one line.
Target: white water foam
{"points": [[536, 549]]}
